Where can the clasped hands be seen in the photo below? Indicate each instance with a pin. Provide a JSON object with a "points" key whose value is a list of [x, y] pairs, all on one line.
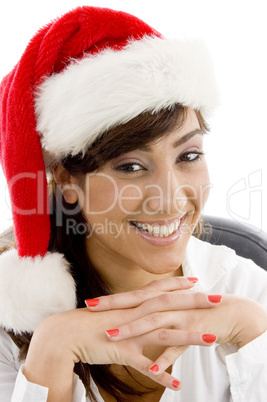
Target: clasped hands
{"points": [[168, 313]]}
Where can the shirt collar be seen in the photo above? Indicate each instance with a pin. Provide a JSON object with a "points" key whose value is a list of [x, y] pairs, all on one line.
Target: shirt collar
{"points": [[207, 262]]}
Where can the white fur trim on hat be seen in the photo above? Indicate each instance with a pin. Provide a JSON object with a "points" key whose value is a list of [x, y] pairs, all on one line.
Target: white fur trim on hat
{"points": [[32, 289], [98, 92]]}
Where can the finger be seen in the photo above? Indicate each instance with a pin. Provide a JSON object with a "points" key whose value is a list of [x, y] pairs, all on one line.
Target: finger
{"points": [[179, 301], [170, 284], [164, 313], [173, 337], [137, 297], [166, 359], [183, 340], [120, 300], [142, 364]]}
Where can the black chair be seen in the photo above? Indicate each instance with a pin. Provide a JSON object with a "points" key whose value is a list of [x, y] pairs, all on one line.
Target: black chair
{"points": [[247, 241]]}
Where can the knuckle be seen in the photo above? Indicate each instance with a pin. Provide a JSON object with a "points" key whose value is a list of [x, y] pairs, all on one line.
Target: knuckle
{"points": [[170, 355], [108, 300], [144, 367], [198, 298], [165, 298], [141, 309], [138, 294], [160, 377], [175, 349], [163, 334], [190, 338], [154, 285], [129, 330], [154, 318], [165, 360]]}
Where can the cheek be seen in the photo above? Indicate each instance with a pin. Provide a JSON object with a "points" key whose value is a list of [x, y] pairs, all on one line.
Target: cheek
{"points": [[203, 186], [130, 197], [100, 195], [198, 186]]}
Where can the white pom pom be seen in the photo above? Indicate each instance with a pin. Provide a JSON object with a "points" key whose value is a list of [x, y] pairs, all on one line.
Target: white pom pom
{"points": [[32, 289]]}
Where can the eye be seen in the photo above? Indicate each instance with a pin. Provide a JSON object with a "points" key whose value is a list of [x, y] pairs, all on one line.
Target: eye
{"points": [[129, 167], [190, 157]]}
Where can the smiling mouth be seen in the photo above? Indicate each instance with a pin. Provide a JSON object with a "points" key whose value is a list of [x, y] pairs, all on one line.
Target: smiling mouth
{"points": [[156, 230]]}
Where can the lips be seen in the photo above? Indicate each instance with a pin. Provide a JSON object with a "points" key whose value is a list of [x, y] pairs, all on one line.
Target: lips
{"points": [[156, 229], [160, 233]]}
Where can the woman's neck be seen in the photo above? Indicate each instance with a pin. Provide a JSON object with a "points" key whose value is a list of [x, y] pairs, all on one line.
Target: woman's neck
{"points": [[121, 276]]}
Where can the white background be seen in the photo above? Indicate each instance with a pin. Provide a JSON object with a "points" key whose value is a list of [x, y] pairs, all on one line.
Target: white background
{"points": [[236, 33]]}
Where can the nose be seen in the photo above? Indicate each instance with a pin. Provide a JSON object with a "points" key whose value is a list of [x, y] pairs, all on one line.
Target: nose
{"points": [[165, 194]]}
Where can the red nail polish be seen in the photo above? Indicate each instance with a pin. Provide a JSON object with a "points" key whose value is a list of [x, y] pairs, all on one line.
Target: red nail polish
{"points": [[91, 302], [154, 368], [192, 279], [112, 332], [176, 383], [209, 338], [215, 298]]}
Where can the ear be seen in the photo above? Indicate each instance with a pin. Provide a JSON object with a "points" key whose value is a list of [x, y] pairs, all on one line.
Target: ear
{"points": [[67, 184]]}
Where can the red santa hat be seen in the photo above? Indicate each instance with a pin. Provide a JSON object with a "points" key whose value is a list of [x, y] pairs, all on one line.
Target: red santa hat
{"points": [[82, 74]]}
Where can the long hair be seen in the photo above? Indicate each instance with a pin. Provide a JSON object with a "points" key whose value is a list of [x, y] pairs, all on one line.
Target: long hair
{"points": [[142, 130]]}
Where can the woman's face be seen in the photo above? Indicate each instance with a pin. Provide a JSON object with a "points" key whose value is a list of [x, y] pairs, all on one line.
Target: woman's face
{"points": [[143, 206]]}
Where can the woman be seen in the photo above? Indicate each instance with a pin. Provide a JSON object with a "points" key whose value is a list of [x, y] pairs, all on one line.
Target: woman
{"points": [[116, 113]]}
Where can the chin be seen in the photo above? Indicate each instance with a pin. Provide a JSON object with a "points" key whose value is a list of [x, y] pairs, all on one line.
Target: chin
{"points": [[161, 268]]}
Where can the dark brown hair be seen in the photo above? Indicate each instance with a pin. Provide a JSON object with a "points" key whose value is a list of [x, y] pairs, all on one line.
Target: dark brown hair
{"points": [[142, 130]]}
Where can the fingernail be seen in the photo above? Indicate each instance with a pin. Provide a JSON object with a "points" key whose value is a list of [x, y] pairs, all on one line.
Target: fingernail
{"points": [[154, 368], [192, 279], [215, 298], [176, 383], [91, 302], [112, 332], [209, 338]]}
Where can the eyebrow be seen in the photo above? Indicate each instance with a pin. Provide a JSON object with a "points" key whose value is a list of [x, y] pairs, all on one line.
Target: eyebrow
{"points": [[182, 140], [187, 137]]}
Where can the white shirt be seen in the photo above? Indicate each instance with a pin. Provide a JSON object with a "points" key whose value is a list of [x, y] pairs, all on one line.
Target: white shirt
{"points": [[220, 373]]}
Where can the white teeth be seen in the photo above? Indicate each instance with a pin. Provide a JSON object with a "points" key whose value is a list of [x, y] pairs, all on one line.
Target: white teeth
{"points": [[172, 227], [156, 230], [163, 231]]}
